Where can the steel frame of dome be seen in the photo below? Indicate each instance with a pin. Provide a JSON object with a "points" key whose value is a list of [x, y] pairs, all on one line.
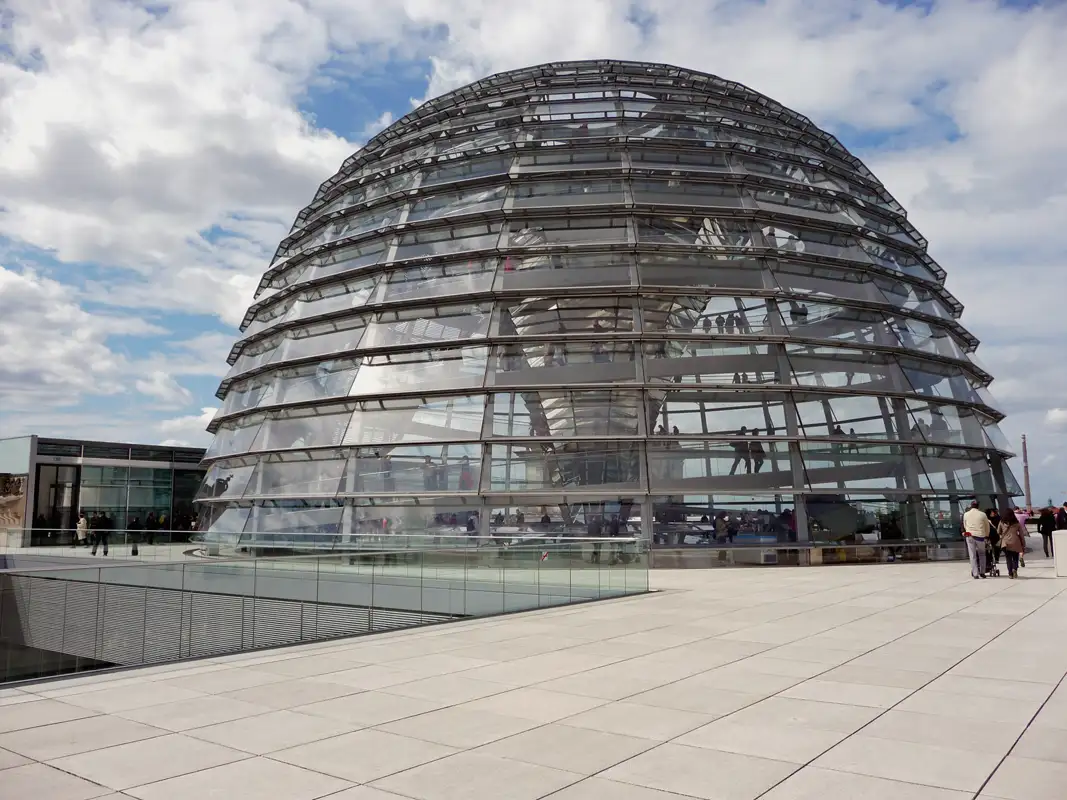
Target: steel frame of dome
{"points": [[603, 288]]}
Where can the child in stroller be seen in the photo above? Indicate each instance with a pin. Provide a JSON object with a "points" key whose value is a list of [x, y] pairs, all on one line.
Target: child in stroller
{"points": [[992, 555]]}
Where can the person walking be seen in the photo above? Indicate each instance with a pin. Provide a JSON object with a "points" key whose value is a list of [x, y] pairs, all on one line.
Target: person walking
{"points": [[1046, 524], [976, 534], [1061, 517], [1022, 516], [1011, 540], [81, 533]]}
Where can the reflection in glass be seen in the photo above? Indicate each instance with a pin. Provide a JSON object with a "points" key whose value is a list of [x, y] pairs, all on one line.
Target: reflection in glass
{"points": [[533, 467], [416, 420], [290, 433], [425, 469], [427, 326], [430, 281], [560, 414], [426, 370], [701, 413]]}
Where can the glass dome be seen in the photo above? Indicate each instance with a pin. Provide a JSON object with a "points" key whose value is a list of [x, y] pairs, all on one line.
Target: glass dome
{"points": [[602, 295]]}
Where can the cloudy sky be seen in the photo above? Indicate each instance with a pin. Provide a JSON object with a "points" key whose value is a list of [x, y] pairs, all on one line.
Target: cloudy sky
{"points": [[152, 154]]}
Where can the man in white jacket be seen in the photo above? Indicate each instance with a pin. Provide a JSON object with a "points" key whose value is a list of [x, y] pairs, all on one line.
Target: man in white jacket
{"points": [[976, 534]]}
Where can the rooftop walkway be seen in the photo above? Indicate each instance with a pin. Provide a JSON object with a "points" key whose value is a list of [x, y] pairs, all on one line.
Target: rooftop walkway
{"points": [[889, 682]]}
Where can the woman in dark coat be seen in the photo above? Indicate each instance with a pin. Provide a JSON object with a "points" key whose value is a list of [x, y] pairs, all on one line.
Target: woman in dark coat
{"points": [[1011, 541]]}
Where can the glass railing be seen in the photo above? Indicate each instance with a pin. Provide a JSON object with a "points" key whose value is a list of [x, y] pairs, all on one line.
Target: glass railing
{"points": [[78, 617]]}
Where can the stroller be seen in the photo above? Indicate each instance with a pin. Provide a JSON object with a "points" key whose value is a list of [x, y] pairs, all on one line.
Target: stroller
{"points": [[992, 557]]}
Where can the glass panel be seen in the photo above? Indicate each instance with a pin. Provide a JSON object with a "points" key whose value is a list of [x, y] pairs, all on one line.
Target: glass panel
{"points": [[564, 363], [293, 526], [564, 270], [950, 470], [860, 466], [571, 467], [223, 523], [469, 201], [568, 159], [867, 519], [702, 413], [322, 344], [837, 323], [801, 203], [268, 316], [915, 334], [587, 192], [686, 193], [676, 467], [256, 355], [913, 298], [312, 382], [442, 241], [944, 423], [939, 380], [785, 170], [705, 362], [148, 476], [458, 143], [560, 414], [698, 231], [234, 437], [333, 299], [248, 394], [723, 519], [996, 437], [302, 478], [711, 270], [791, 239], [347, 227], [416, 419], [285, 433], [432, 370], [427, 325], [730, 316], [460, 169], [107, 476], [370, 191], [346, 259], [851, 416], [438, 280], [563, 132], [825, 283], [417, 470], [225, 480], [680, 161], [842, 367], [527, 233], [897, 260], [545, 317]]}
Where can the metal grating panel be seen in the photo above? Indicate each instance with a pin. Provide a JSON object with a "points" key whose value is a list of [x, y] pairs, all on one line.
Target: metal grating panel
{"points": [[122, 625], [277, 622], [163, 626], [215, 624], [133, 625], [79, 620]]}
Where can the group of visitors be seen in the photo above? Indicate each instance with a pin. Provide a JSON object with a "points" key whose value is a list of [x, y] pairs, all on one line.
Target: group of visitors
{"points": [[94, 530], [989, 533]]}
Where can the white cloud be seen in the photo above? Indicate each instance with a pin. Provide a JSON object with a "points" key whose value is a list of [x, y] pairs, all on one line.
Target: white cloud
{"points": [[188, 431], [164, 388], [1056, 417]]}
